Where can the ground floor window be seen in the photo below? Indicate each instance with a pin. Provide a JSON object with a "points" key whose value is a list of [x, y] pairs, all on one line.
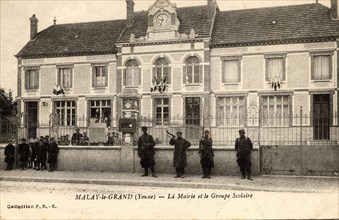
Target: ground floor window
{"points": [[231, 111], [65, 113], [100, 111], [130, 108], [192, 105], [162, 110], [275, 110]]}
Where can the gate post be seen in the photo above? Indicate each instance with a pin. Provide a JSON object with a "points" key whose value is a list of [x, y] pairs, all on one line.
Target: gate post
{"points": [[301, 144]]}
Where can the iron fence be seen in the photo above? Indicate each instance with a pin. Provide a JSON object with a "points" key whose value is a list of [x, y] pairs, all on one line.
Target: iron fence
{"points": [[278, 129]]}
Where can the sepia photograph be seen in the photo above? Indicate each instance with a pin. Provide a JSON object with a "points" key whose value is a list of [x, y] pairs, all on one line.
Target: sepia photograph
{"points": [[169, 109]]}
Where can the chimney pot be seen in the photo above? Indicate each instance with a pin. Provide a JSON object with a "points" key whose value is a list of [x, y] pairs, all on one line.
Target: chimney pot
{"points": [[211, 8], [335, 9], [130, 12], [34, 26]]}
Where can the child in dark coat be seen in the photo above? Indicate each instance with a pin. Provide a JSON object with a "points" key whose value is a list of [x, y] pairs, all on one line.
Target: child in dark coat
{"points": [[9, 153]]}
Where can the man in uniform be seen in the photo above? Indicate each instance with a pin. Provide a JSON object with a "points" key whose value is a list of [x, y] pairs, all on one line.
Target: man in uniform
{"points": [[206, 155], [244, 146], [23, 152], [179, 158], [146, 151]]}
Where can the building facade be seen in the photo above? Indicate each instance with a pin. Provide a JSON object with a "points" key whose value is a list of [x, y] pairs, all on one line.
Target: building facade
{"points": [[270, 70]]}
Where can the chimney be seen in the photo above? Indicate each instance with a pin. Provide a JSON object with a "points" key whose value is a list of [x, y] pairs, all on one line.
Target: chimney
{"points": [[34, 26], [211, 8], [335, 9], [130, 13]]}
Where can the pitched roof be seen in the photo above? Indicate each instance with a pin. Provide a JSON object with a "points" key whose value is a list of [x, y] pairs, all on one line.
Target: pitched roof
{"points": [[75, 39], [285, 23], [190, 17]]}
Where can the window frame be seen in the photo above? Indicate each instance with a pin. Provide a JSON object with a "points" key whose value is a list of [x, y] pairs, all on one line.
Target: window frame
{"points": [[94, 75], [193, 119], [268, 57], [223, 69], [289, 111], [27, 77], [133, 68], [218, 104], [101, 107], [162, 98], [59, 77], [73, 118], [322, 53], [162, 67], [193, 66]]}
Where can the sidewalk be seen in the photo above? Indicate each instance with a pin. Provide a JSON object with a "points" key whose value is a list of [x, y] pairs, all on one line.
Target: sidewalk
{"points": [[260, 183]]}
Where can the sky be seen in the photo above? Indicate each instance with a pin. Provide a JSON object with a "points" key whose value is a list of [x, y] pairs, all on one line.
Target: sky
{"points": [[15, 25]]}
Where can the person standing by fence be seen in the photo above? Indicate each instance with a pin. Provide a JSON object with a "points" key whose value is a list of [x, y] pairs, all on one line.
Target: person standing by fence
{"points": [[76, 137], [206, 155], [146, 151], [244, 146], [9, 153], [179, 158], [53, 150], [41, 155], [24, 153]]}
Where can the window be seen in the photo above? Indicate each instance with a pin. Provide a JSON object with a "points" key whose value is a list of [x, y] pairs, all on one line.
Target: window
{"points": [[99, 76], [162, 111], [275, 110], [130, 108], [321, 66], [100, 111], [65, 77], [231, 70], [65, 112], [275, 68], [32, 79], [193, 111], [231, 111], [132, 74], [162, 70], [192, 71]]}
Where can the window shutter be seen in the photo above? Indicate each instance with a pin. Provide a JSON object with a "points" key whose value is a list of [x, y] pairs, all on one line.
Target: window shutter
{"points": [[26, 79], [139, 74], [71, 77], [312, 67], [283, 68], [93, 76], [105, 69], [184, 73], [36, 79], [124, 77], [330, 67], [200, 74], [169, 75], [267, 70]]}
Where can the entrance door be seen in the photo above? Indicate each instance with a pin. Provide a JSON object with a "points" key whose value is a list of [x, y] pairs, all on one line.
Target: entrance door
{"points": [[321, 116], [32, 119]]}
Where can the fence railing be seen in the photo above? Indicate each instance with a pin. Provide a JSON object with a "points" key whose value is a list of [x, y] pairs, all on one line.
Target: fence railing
{"points": [[276, 129]]}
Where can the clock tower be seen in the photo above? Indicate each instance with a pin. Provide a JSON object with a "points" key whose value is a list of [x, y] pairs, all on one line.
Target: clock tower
{"points": [[163, 22]]}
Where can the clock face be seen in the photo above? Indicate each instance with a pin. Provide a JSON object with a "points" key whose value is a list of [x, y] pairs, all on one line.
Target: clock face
{"points": [[162, 19]]}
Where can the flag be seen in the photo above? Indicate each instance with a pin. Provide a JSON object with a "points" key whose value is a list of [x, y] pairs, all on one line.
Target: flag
{"points": [[156, 85], [58, 90], [163, 85]]}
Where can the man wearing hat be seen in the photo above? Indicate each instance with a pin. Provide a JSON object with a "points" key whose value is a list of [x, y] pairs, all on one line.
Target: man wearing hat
{"points": [[23, 151], [244, 146], [53, 150], [76, 137], [9, 153], [179, 158], [146, 152], [206, 154]]}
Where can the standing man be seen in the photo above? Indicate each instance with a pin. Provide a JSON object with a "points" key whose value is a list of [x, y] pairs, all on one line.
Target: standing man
{"points": [[146, 152], [9, 153], [180, 158], [206, 155], [244, 146], [41, 155], [76, 137], [23, 152], [53, 150]]}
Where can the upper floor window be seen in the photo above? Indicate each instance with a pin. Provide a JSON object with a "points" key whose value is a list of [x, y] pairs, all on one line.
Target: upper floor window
{"points": [[65, 77], [32, 78], [192, 71], [162, 70], [231, 70], [275, 68], [132, 74], [276, 110], [100, 76], [321, 65]]}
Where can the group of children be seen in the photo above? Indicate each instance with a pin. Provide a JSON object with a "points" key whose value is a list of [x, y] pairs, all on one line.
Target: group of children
{"points": [[34, 154]]}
